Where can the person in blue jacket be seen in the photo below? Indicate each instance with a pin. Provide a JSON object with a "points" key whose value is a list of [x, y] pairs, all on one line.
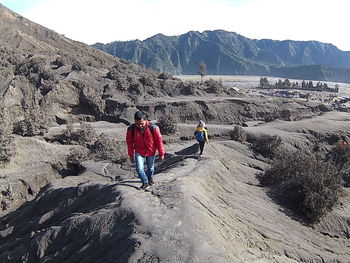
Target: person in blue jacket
{"points": [[201, 135]]}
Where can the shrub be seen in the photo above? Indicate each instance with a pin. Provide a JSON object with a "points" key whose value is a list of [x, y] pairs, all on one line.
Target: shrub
{"points": [[340, 155], [107, 149], [75, 159], [86, 135], [69, 129], [346, 177], [165, 76], [238, 134], [113, 74], [167, 124], [67, 136], [100, 146], [189, 88], [72, 164], [269, 117], [23, 128], [280, 168], [309, 186], [33, 124], [135, 88], [7, 148], [214, 86], [267, 145], [77, 66], [59, 62], [147, 80], [30, 127]]}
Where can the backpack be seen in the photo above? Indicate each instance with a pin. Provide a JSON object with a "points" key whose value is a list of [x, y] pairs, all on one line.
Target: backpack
{"points": [[151, 127], [200, 136]]}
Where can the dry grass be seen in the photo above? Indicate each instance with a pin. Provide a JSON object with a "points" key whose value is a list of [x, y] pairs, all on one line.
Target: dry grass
{"points": [[307, 185]]}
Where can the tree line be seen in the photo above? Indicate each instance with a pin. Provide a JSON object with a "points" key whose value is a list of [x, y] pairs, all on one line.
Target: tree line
{"points": [[304, 85]]}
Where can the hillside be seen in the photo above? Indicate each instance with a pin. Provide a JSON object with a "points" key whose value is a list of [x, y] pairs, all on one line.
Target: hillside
{"points": [[44, 73], [201, 210], [68, 192], [228, 53]]}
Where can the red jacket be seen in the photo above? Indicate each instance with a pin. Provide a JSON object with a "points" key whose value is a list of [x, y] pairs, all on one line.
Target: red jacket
{"points": [[145, 144]]}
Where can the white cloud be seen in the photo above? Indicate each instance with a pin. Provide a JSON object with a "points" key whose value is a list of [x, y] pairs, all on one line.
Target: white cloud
{"points": [[93, 21]]}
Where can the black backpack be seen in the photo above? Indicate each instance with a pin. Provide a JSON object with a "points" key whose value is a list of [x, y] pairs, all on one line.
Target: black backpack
{"points": [[151, 127]]}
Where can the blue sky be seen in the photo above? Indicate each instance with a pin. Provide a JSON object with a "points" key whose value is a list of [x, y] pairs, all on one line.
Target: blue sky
{"points": [[92, 21]]}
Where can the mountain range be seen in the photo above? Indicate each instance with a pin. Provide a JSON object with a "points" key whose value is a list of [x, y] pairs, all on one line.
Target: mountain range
{"points": [[228, 53]]}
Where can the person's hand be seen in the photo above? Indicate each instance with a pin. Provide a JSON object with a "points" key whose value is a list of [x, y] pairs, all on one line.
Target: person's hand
{"points": [[162, 157], [132, 159]]}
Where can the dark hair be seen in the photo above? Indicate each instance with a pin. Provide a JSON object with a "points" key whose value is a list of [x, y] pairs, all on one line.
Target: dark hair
{"points": [[140, 115]]}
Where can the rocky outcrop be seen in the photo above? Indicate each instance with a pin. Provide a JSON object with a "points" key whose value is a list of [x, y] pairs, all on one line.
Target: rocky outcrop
{"points": [[231, 110]]}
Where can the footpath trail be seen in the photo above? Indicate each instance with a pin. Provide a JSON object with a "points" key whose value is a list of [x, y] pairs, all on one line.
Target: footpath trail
{"points": [[208, 209], [212, 209]]}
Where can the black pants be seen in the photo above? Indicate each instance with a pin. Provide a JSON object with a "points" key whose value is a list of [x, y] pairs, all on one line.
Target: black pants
{"points": [[201, 147]]}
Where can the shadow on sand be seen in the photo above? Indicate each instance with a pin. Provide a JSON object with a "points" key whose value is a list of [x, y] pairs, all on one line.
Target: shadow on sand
{"points": [[177, 159]]}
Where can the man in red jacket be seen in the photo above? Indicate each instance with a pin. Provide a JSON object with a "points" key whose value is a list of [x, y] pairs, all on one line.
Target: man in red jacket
{"points": [[144, 139]]}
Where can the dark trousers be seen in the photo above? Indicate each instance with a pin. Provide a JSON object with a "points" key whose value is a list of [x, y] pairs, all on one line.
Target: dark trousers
{"points": [[201, 147]]}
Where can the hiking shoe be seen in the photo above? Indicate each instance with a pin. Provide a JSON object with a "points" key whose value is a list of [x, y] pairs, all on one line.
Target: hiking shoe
{"points": [[144, 187], [150, 181]]}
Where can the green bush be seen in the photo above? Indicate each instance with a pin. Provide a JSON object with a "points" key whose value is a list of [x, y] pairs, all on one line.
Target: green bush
{"points": [[307, 185]]}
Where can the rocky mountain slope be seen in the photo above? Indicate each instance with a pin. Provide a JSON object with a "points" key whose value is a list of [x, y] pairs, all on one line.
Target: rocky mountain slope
{"points": [[44, 71], [45, 74], [228, 53], [59, 202]]}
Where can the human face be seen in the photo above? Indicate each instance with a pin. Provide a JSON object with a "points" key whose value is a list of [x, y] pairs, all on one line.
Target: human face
{"points": [[141, 124]]}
